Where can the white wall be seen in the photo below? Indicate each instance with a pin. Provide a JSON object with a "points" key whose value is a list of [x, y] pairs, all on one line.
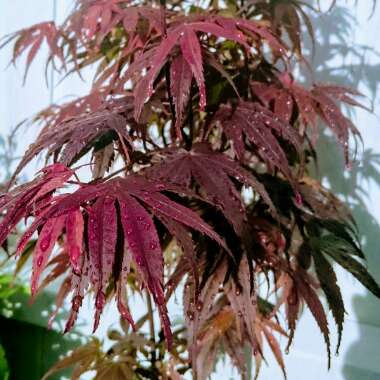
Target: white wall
{"points": [[359, 358]]}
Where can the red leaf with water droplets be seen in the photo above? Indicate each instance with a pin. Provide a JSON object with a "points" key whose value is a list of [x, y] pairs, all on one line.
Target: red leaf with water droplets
{"points": [[180, 82], [135, 196], [76, 126], [243, 301], [184, 240], [74, 237], [191, 50], [185, 35], [318, 102], [143, 242], [31, 199], [212, 171], [311, 298], [144, 88], [50, 232], [94, 21], [102, 234], [261, 128]]}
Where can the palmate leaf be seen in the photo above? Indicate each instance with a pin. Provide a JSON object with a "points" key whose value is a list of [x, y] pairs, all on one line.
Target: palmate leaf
{"points": [[212, 172], [73, 137], [261, 128], [197, 308], [95, 20], [223, 315], [184, 35], [125, 202], [342, 252], [328, 281], [31, 40], [320, 102], [31, 198]]}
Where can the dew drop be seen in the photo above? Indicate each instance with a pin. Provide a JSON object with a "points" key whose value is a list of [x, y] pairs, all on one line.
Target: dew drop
{"points": [[40, 259], [160, 187], [77, 302], [45, 242], [100, 299], [190, 315]]}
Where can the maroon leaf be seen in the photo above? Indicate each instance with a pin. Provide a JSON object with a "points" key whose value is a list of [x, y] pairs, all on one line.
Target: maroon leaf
{"points": [[102, 234], [185, 35], [320, 101], [32, 39], [67, 138], [74, 237], [180, 81], [140, 234], [50, 232], [211, 171], [316, 308], [243, 302], [261, 128], [191, 51]]}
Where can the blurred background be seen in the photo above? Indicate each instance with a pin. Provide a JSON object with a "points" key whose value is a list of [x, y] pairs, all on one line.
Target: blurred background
{"points": [[347, 52]]}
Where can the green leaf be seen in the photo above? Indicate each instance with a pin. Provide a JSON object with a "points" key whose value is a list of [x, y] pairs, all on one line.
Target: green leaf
{"points": [[345, 234], [328, 281], [4, 369], [357, 269]]}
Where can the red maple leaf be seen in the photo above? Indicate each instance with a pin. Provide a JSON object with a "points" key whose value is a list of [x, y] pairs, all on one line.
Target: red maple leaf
{"points": [[125, 202]]}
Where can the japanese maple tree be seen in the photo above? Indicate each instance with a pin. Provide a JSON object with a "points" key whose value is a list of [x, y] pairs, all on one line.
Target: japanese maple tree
{"points": [[200, 141]]}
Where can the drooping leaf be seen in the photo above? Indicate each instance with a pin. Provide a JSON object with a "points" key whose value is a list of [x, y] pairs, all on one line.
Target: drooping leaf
{"points": [[261, 128], [342, 255], [180, 81], [315, 306], [102, 235], [135, 196], [74, 137], [328, 281]]}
